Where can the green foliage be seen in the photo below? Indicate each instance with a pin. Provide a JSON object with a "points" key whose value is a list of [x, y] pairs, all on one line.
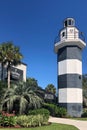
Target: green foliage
{"points": [[51, 88], [9, 55], [20, 98], [7, 119], [84, 101], [32, 82], [84, 81], [84, 84], [84, 113], [85, 93], [61, 112], [55, 110], [32, 120], [52, 108], [3, 87], [53, 126], [41, 111]]}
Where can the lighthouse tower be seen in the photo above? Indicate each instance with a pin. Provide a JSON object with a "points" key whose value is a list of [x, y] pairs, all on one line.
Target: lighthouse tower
{"points": [[69, 58]]}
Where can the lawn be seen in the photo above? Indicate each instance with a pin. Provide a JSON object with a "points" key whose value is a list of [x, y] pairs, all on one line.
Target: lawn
{"points": [[53, 126], [82, 119]]}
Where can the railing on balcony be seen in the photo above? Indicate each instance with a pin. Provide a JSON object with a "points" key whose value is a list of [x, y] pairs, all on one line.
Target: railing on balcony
{"points": [[69, 36], [81, 36]]}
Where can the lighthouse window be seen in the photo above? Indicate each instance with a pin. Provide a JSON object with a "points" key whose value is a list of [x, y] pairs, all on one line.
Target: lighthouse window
{"points": [[70, 22], [63, 34]]}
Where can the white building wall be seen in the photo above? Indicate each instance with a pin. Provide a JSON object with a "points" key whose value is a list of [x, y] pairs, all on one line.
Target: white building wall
{"points": [[23, 68]]}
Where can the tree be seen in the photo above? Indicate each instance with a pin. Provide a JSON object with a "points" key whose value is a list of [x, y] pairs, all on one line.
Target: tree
{"points": [[3, 87], [84, 81], [84, 85], [20, 98], [9, 55], [32, 83], [1, 65], [50, 88]]}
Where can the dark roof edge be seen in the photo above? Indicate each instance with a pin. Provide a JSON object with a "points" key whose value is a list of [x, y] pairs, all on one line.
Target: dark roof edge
{"points": [[23, 63]]}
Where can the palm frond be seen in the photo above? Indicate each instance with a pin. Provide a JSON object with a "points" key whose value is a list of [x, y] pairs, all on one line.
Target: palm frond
{"points": [[23, 104]]}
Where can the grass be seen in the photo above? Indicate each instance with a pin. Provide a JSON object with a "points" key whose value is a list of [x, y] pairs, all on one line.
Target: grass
{"points": [[53, 126], [78, 118]]}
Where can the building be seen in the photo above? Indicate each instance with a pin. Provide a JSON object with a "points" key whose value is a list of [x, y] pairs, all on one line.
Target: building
{"points": [[18, 73], [69, 58]]}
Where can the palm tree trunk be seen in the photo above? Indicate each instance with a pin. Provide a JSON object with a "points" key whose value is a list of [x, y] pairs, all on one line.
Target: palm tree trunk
{"points": [[8, 77]]}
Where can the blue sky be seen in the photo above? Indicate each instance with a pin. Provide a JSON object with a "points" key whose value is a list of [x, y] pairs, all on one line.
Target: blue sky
{"points": [[33, 25]]}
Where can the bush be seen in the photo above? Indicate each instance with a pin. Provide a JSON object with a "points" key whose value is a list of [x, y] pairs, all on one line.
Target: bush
{"points": [[84, 113], [61, 112], [55, 110], [41, 111], [52, 108], [32, 120], [7, 119]]}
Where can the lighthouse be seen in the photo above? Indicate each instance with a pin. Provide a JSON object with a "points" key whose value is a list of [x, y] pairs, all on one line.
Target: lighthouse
{"points": [[69, 62]]}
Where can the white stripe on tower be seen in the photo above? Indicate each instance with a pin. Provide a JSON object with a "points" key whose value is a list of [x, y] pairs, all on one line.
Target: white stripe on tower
{"points": [[70, 95], [70, 66]]}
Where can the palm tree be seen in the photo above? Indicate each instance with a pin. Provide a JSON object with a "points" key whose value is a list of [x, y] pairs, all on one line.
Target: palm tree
{"points": [[51, 88], [10, 55], [2, 61], [22, 97], [3, 87], [32, 83]]}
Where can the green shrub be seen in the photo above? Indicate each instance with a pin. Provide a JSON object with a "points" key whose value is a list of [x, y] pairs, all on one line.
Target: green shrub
{"points": [[41, 111], [61, 112], [52, 108], [55, 110], [7, 119], [31, 120], [84, 113]]}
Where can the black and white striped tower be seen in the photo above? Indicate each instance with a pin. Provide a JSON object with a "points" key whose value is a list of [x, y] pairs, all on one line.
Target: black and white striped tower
{"points": [[69, 58]]}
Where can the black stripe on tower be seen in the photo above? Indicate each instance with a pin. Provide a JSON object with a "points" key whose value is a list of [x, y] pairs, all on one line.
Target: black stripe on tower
{"points": [[70, 81], [69, 52], [73, 109]]}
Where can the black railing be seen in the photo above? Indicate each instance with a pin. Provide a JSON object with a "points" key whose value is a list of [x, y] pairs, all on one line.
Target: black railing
{"points": [[59, 37], [81, 36]]}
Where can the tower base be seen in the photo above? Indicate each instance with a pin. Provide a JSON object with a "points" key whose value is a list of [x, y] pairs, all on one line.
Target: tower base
{"points": [[73, 109]]}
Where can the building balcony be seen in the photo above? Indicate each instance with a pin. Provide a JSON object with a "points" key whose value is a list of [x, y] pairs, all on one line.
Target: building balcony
{"points": [[69, 40]]}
